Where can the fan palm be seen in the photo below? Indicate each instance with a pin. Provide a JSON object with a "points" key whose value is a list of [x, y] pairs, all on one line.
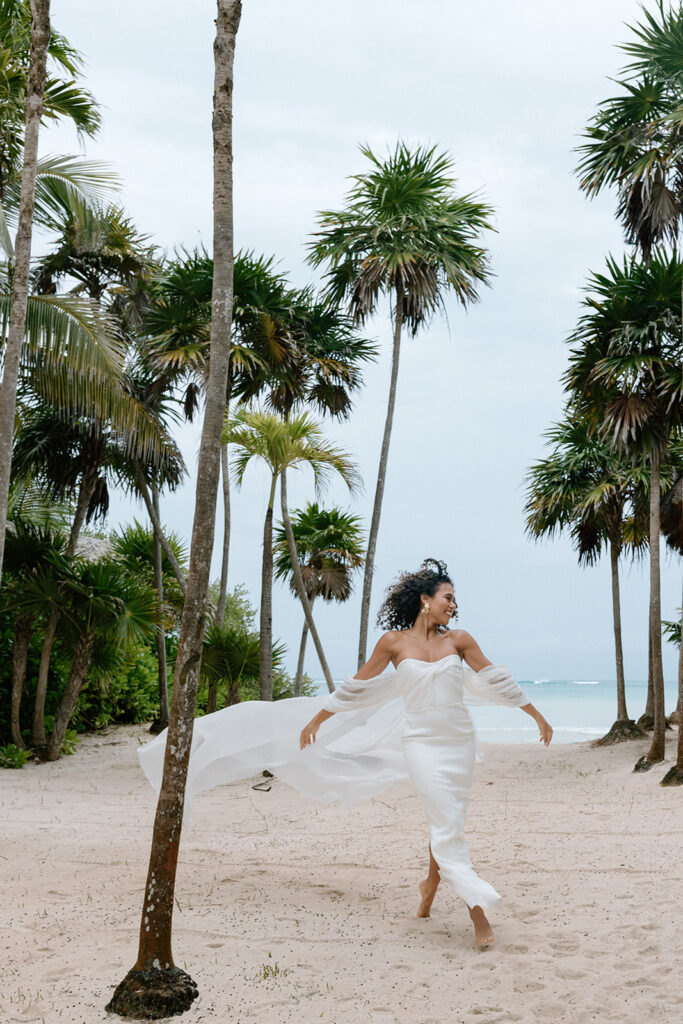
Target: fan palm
{"points": [[625, 371], [329, 547], [281, 444], [584, 486], [30, 549], [138, 549], [102, 602], [232, 656], [404, 233], [633, 142]]}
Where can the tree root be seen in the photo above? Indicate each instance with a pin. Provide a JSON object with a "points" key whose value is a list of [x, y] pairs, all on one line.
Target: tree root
{"points": [[674, 777], [623, 729], [152, 993], [646, 722]]}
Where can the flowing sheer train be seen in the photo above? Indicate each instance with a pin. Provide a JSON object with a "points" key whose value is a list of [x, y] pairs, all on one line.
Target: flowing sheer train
{"points": [[409, 723]]}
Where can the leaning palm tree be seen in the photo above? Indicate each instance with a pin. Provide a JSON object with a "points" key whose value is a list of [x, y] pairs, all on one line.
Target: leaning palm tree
{"points": [[330, 549], [155, 987], [29, 96], [282, 444], [625, 374], [405, 233]]}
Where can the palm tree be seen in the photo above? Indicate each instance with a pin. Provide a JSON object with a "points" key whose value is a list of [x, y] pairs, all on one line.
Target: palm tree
{"points": [[625, 374], [404, 233], [155, 987], [281, 444], [138, 549], [29, 96], [102, 602], [30, 549], [584, 486], [232, 656], [329, 547], [633, 142], [40, 37]]}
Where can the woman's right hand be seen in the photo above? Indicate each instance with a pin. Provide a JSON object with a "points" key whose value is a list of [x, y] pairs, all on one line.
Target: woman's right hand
{"points": [[308, 733]]}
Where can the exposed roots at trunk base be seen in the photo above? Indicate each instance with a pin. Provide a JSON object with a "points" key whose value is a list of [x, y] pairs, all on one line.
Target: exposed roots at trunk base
{"points": [[152, 993], [674, 777], [644, 765], [646, 722], [674, 718], [623, 729]]}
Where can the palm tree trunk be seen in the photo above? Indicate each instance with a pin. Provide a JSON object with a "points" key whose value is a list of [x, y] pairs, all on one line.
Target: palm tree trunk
{"points": [[223, 590], [40, 38], [155, 987], [623, 728], [299, 582], [154, 519], [657, 749], [622, 713], [160, 634], [379, 491], [78, 671], [674, 776], [85, 493], [266, 617], [22, 639], [302, 655]]}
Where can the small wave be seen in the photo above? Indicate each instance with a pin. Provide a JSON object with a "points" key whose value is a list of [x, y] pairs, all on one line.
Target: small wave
{"points": [[537, 682], [586, 682]]}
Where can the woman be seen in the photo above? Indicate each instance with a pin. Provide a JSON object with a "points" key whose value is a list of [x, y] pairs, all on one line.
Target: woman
{"points": [[408, 723], [439, 741]]}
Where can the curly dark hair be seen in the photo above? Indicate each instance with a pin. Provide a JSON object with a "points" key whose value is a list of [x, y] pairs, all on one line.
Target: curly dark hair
{"points": [[402, 602]]}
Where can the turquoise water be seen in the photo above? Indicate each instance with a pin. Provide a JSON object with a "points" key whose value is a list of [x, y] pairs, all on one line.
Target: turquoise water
{"points": [[577, 709]]}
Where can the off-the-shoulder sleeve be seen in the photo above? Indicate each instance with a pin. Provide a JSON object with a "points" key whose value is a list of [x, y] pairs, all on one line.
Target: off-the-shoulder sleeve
{"points": [[494, 684], [353, 694]]}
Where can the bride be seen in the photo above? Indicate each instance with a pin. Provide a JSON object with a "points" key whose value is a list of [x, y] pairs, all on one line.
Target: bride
{"points": [[377, 728], [439, 740]]}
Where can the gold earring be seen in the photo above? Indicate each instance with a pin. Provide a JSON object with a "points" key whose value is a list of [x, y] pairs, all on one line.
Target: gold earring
{"points": [[425, 608]]}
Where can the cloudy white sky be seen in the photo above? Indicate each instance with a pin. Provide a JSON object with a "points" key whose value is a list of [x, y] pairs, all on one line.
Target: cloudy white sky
{"points": [[505, 89]]}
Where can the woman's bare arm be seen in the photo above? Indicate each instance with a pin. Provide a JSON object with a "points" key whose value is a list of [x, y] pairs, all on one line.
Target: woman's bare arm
{"points": [[376, 663], [470, 650]]}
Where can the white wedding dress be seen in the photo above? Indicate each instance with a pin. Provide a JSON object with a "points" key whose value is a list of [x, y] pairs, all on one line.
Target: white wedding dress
{"points": [[409, 723]]}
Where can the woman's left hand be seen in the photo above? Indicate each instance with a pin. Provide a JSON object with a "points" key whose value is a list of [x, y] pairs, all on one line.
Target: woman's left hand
{"points": [[546, 732]]}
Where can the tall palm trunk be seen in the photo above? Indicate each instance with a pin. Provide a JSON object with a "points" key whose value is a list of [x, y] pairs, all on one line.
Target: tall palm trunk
{"points": [[155, 987], [35, 84], [299, 582], [657, 749], [674, 776], [622, 713], [302, 654], [623, 728], [223, 589], [85, 493], [23, 630], [154, 519], [78, 671], [160, 634], [265, 658], [379, 491]]}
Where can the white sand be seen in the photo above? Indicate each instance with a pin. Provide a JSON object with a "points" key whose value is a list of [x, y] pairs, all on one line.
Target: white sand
{"points": [[588, 858]]}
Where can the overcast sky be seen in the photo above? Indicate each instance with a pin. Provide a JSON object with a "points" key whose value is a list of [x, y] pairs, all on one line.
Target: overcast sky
{"points": [[505, 89]]}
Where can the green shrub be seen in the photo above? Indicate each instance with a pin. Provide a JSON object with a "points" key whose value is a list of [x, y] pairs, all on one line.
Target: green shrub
{"points": [[12, 756], [127, 693]]}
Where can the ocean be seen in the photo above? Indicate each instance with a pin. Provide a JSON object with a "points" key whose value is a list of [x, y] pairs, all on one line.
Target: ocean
{"points": [[577, 709]]}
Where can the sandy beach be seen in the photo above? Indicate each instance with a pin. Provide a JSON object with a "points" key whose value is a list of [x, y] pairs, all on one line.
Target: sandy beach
{"points": [[292, 911]]}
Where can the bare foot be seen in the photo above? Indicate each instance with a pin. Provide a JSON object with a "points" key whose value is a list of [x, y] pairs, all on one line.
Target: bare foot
{"points": [[427, 892], [483, 933]]}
